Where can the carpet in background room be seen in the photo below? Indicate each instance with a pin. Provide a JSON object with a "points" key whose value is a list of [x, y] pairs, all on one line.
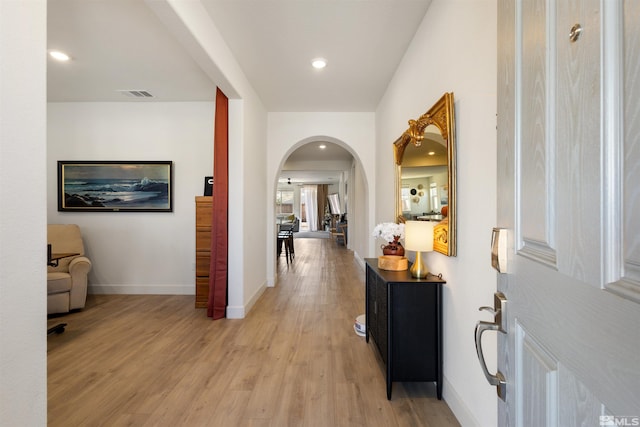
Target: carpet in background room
{"points": [[311, 234]]}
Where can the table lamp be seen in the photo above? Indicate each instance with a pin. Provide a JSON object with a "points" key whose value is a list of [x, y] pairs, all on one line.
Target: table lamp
{"points": [[418, 237]]}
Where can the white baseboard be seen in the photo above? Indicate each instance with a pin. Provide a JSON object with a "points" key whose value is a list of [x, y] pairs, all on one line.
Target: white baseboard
{"points": [[238, 311], [233, 311], [142, 289], [255, 297], [457, 406], [359, 260]]}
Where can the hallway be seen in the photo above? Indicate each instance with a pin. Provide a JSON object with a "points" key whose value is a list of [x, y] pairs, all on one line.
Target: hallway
{"points": [[148, 360]]}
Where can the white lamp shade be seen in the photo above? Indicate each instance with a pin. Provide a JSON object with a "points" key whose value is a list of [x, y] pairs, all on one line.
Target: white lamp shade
{"points": [[418, 236]]}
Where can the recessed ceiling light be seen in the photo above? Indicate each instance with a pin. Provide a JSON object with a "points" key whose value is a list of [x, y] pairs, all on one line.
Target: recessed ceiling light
{"points": [[431, 153], [60, 56], [322, 146], [319, 63]]}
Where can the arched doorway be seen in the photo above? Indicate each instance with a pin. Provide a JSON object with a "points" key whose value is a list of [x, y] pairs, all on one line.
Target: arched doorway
{"points": [[307, 162]]}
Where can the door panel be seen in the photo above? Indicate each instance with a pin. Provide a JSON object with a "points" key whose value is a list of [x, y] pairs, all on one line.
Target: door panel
{"points": [[578, 141], [533, 151], [569, 192], [631, 165], [536, 396], [577, 406]]}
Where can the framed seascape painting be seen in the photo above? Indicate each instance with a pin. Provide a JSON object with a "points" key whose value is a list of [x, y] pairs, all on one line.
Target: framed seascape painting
{"points": [[115, 186]]}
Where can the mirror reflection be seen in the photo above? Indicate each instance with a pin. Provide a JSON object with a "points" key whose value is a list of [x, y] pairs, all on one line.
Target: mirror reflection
{"points": [[424, 180], [425, 173]]}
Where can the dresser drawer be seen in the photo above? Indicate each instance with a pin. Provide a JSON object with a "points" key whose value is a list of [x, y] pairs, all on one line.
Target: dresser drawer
{"points": [[203, 260], [202, 292], [204, 212], [203, 239]]}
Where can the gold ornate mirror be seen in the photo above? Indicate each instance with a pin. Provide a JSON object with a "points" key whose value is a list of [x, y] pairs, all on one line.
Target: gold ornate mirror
{"points": [[425, 157]]}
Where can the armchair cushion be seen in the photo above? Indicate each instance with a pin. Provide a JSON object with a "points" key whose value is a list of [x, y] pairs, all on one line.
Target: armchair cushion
{"points": [[58, 282], [67, 282]]}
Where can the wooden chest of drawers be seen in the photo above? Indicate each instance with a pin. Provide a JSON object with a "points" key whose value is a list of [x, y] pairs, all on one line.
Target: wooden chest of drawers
{"points": [[204, 209]]}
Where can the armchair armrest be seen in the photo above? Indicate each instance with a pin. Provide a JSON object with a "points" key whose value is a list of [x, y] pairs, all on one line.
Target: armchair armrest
{"points": [[79, 265], [79, 268]]}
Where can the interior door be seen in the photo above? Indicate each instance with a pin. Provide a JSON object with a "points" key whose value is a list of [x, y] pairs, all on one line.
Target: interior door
{"points": [[569, 198]]}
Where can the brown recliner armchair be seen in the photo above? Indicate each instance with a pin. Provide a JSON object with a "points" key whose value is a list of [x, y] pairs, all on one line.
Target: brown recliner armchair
{"points": [[67, 282]]}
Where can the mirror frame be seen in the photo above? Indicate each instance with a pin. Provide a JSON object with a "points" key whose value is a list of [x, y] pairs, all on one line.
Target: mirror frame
{"points": [[441, 114]]}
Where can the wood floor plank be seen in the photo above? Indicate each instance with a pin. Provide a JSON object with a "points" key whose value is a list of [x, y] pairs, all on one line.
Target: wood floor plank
{"points": [[154, 360]]}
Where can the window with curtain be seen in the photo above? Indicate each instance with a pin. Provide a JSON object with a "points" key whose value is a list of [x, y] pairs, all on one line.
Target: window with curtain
{"points": [[284, 202], [303, 206], [311, 206], [406, 199], [433, 194]]}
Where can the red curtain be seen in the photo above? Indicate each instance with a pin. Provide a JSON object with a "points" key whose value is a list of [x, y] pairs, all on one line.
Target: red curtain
{"points": [[217, 304]]}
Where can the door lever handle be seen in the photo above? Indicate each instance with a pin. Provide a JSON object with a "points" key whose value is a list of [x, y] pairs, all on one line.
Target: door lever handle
{"points": [[498, 311], [497, 379], [499, 324], [490, 310]]}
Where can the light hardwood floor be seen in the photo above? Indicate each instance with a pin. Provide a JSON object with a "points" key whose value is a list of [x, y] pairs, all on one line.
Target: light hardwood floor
{"points": [[141, 360]]}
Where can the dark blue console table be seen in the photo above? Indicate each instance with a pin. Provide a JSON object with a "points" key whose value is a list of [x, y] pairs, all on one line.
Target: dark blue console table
{"points": [[404, 318]]}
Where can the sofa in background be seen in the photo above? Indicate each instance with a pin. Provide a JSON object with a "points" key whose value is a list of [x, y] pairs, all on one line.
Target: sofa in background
{"points": [[291, 222], [67, 282]]}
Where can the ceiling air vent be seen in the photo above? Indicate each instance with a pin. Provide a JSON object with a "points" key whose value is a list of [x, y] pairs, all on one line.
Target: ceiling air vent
{"points": [[136, 93]]}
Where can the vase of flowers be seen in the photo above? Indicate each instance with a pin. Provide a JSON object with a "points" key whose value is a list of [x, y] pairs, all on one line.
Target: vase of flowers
{"points": [[393, 248], [391, 233]]}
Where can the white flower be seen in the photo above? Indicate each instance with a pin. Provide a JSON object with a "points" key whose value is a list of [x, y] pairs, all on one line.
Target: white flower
{"points": [[388, 231]]}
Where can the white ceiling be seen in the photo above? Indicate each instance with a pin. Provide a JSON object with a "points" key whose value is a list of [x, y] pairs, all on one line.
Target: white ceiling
{"points": [[122, 45], [118, 45], [275, 40], [331, 155]]}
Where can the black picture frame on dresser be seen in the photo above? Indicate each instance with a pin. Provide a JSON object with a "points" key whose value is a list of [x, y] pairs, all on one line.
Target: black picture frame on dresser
{"points": [[404, 318]]}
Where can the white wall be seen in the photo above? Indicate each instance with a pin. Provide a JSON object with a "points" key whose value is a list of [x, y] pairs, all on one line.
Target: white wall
{"points": [[360, 213], [23, 301], [454, 51], [191, 24], [352, 131], [247, 224], [136, 253]]}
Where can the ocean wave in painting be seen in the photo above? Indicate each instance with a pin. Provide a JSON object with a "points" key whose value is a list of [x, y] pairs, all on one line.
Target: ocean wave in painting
{"points": [[116, 193]]}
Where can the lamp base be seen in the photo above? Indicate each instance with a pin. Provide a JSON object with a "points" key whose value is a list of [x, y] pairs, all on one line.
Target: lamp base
{"points": [[419, 269]]}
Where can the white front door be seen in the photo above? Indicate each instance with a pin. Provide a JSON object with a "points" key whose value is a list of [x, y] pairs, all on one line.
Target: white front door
{"points": [[569, 197]]}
